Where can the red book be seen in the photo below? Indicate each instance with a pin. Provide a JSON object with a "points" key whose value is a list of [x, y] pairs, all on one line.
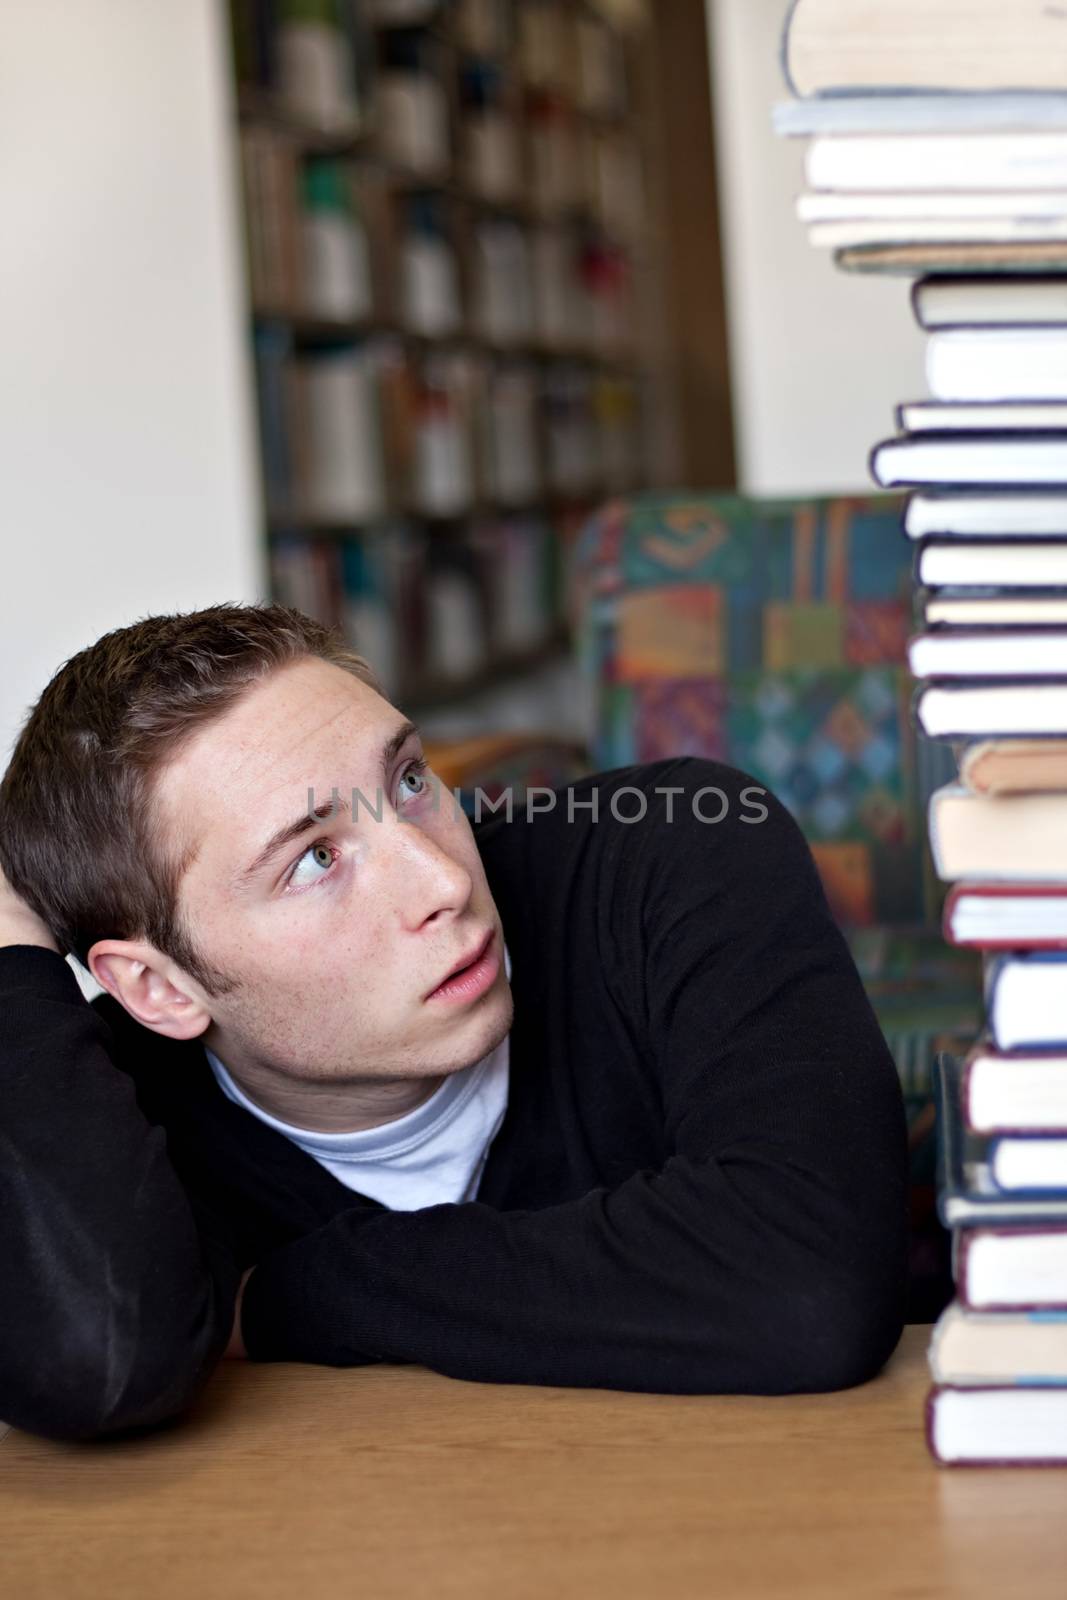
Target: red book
{"points": [[1007, 916], [993, 1426], [1011, 1269]]}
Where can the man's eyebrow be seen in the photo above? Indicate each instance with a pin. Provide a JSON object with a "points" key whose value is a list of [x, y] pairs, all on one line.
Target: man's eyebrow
{"points": [[328, 808]]}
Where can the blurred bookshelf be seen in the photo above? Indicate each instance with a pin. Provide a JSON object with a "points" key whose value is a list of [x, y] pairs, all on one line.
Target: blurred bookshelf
{"points": [[450, 253]]}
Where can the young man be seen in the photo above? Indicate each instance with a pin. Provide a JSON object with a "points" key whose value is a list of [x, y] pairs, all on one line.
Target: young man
{"points": [[591, 1096]]}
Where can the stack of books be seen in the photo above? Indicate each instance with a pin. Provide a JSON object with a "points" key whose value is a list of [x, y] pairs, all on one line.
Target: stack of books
{"points": [[938, 151]]}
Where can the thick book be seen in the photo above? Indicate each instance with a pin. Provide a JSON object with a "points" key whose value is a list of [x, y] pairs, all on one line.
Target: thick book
{"points": [[911, 260], [974, 653], [990, 302], [867, 233], [997, 364], [918, 113], [1026, 1001], [982, 416], [830, 46], [1011, 766], [1018, 564], [970, 1347], [988, 514], [966, 1194], [922, 162], [1007, 916], [992, 458], [1009, 1092], [1021, 1426], [1011, 838], [1012, 1269]]}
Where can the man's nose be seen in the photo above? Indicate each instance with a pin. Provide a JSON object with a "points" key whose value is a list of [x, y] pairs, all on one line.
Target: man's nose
{"points": [[428, 881]]}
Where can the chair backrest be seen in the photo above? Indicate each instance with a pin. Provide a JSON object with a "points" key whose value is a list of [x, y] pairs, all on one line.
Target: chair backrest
{"points": [[771, 635]]}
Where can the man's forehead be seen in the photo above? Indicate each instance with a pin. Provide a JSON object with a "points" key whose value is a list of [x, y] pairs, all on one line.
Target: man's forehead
{"points": [[300, 729]]}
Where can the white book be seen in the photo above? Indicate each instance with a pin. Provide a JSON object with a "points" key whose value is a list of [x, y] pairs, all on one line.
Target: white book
{"points": [[847, 207], [1004, 1268], [993, 566], [981, 655], [983, 459], [990, 302], [1010, 1426], [949, 712], [989, 515], [980, 161], [1026, 1002], [984, 416], [934, 230], [1038, 1162], [918, 113], [992, 611], [997, 364], [1017, 1092]]}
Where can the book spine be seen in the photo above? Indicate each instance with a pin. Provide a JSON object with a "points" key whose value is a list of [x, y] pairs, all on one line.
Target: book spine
{"points": [[785, 49]]}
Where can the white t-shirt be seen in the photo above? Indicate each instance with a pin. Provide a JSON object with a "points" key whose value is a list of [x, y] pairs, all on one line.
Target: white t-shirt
{"points": [[433, 1154]]}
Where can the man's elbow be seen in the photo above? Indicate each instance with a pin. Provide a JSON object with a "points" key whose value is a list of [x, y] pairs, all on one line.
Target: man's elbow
{"points": [[845, 1335], [106, 1382]]}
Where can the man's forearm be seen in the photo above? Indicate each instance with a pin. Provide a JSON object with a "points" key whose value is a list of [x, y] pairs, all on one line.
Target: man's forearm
{"points": [[116, 1305]]}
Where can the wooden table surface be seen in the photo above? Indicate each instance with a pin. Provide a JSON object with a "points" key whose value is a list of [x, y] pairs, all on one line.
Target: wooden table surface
{"points": [[393, 1481]]}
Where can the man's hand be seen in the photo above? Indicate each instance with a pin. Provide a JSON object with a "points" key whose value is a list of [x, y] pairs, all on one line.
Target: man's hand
{"points": [[20, 925], [236, 1347]]}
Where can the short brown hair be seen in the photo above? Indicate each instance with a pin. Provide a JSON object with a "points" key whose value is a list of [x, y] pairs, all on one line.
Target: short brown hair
{"points": [[77, 840]]}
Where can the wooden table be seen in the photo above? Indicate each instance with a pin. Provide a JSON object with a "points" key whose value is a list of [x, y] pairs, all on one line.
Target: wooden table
{"points": [[305, 1482]]}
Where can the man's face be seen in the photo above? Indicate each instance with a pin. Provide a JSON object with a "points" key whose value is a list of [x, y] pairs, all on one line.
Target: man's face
{"points": [[336, 937]]}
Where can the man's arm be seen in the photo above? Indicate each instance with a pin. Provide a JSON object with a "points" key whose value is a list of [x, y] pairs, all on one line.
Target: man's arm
{"points": [[767, 1254], [116, 1305]]}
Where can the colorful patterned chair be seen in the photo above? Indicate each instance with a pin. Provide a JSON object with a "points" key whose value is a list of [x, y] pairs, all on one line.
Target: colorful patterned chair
{"points": [[771, 634]]}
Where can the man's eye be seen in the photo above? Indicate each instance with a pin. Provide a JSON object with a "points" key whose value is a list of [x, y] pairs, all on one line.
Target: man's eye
{"points": [[417, 771], [313, 865]]}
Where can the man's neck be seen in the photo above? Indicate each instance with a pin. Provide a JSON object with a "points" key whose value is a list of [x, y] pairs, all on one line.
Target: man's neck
{"points": [[317, 1107]]}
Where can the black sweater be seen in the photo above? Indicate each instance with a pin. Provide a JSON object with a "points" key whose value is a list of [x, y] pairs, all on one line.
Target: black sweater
{"points": [[699, 1184]]}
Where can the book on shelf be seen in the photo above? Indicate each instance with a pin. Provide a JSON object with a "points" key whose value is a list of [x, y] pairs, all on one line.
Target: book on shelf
{"points": [[1010, 766], [835, 46], [990, 514], [996, 459], [1011, 1268], [995, 838], [969, 1348], [1009, 1092], [990, 302], [1001, 916], [966, 1194], [1009, 653], [997, 364]]}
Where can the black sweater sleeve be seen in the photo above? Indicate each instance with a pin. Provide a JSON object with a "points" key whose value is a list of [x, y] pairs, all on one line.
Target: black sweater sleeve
{"points": [[765, 1255], [118, 1299]]}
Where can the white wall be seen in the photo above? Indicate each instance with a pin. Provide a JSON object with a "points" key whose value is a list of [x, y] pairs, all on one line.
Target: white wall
{"points": [[127, 469], [819, 357]]}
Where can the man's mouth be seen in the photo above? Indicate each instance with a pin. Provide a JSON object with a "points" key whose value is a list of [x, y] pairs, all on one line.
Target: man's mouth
{"points": [[466, 963]]}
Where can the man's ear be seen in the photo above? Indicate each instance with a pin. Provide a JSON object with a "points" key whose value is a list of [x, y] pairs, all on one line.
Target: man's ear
{"points": [[150, 986]]}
